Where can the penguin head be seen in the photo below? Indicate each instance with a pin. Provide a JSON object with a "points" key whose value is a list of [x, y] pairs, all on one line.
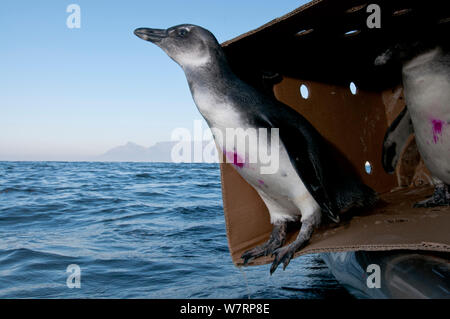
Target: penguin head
{"points": [[188, 45]]}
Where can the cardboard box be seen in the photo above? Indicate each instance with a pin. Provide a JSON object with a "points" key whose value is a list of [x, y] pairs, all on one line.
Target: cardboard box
{"points": [[326, 45]]}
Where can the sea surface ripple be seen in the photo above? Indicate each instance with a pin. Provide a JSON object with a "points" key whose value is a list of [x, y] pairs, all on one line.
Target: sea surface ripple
{"points": [[136, 230]]}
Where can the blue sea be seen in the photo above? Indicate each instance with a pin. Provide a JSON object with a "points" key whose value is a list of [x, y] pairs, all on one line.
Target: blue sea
{"points": [[135, 230]]}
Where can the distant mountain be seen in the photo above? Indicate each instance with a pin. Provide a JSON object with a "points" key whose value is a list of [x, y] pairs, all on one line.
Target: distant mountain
{"points": [[160, 152]]}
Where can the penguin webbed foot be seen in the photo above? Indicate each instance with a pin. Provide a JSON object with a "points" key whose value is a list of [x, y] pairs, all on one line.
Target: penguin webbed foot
{"points": [[263, 250], [276, 240], [440, 197], [285, 254]]}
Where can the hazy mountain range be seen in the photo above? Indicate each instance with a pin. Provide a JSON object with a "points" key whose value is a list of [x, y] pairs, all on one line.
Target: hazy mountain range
{"points": [[132, 152]]}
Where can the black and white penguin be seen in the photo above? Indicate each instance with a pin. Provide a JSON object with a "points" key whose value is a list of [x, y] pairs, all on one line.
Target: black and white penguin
{"points": [[306, 185], [426, 86]]}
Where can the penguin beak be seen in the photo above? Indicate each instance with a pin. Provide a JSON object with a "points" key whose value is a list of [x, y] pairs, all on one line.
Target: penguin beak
{"points": [[152, 35]]}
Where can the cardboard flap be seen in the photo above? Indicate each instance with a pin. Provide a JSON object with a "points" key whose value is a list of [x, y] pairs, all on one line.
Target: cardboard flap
{"points": [[393, 224]]}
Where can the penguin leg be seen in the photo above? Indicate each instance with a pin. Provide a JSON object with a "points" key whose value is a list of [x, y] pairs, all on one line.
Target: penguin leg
{"points": [[285, 254], [395, 139], [276, 240], [440, 197]]}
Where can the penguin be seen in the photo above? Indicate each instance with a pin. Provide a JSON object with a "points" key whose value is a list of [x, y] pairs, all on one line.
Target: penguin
{"points": [[426, 86], [306, 186]]}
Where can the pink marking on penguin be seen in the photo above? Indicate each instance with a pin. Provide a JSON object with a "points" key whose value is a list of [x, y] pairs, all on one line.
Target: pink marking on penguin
{"points": [[234, 158], [437, 129]]}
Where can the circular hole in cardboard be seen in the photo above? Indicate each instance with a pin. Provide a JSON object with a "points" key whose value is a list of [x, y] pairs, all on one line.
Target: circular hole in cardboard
{"points": [[368, 167], [355, 8], [401, 12], [352, 33], [353, 88], [304, 92], [303, 32]]}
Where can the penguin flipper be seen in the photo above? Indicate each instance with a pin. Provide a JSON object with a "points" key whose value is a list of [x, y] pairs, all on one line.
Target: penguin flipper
{"points": [[310, 169], [305, 151], [395, 139]]}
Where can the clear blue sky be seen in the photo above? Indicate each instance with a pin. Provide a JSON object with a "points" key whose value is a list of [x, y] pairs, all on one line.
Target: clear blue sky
{"points": [[70, 94]]}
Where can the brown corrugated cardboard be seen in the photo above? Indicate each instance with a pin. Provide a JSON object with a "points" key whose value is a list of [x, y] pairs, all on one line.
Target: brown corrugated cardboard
{"points": [[325, 60]]}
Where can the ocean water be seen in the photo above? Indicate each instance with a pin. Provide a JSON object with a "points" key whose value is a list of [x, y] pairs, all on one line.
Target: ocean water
{"points": [[136, 230]]}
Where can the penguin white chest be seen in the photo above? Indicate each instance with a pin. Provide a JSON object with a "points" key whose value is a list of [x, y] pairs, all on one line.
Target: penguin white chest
{"points": [[282, 190], [275, 178], [216, 111], [428, 100]]}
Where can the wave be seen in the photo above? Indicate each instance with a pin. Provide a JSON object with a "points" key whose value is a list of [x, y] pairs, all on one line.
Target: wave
{"points": [[9, 190], [140, 230], [146, 175]]}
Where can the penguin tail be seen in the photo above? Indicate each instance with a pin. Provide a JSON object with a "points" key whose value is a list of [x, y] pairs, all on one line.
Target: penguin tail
{"points": [[355, 195]]}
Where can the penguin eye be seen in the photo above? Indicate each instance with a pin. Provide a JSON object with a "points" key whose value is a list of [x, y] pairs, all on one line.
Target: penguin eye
{"points": [[182, 33]]}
